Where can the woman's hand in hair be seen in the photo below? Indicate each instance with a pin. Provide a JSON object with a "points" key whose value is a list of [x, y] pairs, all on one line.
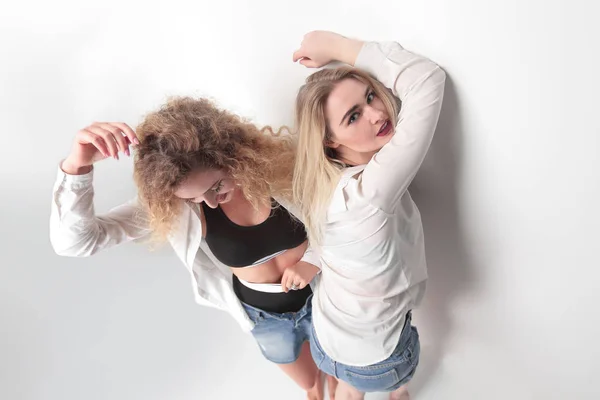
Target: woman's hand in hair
{"points": [[96, 142], [298, 275], [319, 48]]}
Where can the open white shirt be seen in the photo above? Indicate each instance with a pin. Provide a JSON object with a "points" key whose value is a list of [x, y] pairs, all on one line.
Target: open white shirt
{"points": [[76, 231], [373, 268]]}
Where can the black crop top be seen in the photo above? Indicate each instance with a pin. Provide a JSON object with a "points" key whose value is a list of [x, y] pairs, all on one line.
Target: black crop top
{"points": [[241, 246]]}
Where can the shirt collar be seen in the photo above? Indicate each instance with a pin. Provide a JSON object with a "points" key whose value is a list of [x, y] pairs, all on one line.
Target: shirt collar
{"points": [[338, 200]]}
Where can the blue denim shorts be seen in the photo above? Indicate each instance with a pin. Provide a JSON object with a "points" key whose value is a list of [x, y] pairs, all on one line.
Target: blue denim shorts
{"points": [[385, 376], [280, 336]]}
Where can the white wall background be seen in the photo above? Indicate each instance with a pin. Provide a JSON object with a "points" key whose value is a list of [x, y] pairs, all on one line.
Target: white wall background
{"points": [[509, 193]]}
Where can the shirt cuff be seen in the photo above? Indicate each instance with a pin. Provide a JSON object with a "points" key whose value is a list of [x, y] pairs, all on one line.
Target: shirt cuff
{"points": [[75, 180], [312, 257], [374, 54]]}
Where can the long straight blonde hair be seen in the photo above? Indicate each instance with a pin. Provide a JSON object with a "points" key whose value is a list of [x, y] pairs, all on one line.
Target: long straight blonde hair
{"points": [[317, 170]]}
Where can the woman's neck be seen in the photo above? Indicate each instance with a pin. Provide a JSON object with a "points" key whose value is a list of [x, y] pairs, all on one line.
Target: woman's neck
{"points": [[354, 158], [239, 199]]}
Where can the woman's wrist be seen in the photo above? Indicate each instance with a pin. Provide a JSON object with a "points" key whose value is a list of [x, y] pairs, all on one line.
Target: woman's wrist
{"points": [[71, 168], [348, 49]]}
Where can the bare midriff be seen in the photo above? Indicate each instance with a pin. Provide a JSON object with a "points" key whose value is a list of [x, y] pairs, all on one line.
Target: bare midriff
{"points": [[272, 270]]}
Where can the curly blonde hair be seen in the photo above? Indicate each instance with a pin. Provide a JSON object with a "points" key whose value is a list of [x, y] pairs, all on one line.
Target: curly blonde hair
{"points": [[188, 134]]}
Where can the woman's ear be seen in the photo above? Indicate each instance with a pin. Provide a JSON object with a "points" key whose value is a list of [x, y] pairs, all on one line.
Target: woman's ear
{"points": [[329, 141], [331, 144]]}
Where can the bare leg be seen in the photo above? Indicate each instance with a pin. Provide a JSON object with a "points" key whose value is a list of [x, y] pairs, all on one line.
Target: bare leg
{"points": [[305, 373], [346, 392], [400, 394], [318, 390], [332, 383]]}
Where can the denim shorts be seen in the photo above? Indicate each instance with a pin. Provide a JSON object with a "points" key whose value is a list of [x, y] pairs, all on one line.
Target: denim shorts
{"points": [[280, 336], [384, 376]]}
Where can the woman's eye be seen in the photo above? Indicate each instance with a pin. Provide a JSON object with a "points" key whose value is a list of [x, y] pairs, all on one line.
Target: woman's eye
{"points": [[219, 186], [353, 118], [370, 97]]}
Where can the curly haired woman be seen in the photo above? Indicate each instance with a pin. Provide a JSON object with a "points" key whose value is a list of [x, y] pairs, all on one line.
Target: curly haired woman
{"points": [[207, 181]]}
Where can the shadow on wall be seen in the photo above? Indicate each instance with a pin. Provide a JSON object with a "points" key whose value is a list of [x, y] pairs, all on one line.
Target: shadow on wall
{"points": [[451, 274]]}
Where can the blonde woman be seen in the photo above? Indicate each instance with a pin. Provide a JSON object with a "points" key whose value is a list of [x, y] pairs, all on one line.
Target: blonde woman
{"points": [[358, 150], [206, 181]]}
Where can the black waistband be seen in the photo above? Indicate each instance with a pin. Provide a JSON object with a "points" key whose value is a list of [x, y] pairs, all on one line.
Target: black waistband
{"points": [[291, 301]]}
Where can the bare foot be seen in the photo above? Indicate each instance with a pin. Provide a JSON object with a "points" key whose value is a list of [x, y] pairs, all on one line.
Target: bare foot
{"points": [[316, 392], [332, 383]]}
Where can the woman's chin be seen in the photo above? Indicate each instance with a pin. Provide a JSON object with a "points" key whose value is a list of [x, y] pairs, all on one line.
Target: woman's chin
{"points": [[226, 198]]}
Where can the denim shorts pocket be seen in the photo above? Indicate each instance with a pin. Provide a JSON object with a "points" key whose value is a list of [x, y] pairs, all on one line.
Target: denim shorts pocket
{"points": [[373, 383]]}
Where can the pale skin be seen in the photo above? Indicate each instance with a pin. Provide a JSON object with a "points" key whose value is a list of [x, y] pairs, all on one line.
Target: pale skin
{"points": [[359, 124], [102, 140], [216, 189]]}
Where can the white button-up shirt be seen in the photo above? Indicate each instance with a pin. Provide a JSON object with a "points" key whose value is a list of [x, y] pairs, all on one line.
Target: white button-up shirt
{"points": [[372, 252]]}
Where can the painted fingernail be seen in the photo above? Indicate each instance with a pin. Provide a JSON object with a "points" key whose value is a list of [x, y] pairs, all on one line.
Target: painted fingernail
{"points": [[127, 152]]}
